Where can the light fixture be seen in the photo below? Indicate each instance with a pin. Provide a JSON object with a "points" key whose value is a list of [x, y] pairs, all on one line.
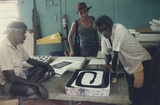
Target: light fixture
{"points": [[49, 2]]}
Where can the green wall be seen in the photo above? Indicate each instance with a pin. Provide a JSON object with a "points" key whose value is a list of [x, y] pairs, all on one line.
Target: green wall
{"points": [[131, 13]]}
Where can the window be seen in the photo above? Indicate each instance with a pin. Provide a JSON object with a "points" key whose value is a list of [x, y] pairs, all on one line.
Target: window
{"points": [[8, 13]]}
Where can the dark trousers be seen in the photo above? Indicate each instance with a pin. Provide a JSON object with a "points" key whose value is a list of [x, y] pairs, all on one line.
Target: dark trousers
{"points": [[137, 94]]}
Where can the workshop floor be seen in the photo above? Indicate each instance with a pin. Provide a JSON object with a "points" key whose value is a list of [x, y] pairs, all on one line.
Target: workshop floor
{"points": [[58, 101], [55, 97], [37, 101]]}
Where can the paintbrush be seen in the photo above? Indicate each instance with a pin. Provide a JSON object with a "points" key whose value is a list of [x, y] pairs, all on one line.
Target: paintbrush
{"points": [[106, 65]]}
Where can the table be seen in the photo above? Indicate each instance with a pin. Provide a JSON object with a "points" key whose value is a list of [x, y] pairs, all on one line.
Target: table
{"points": [[118, 92]]}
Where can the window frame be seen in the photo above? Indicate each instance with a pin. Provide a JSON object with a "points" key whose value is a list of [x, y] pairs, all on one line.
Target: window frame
{"points": [[8, 14]]}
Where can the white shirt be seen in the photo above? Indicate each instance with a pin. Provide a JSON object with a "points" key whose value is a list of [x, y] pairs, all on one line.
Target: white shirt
{"points": [[131, 53], [11, 58]]}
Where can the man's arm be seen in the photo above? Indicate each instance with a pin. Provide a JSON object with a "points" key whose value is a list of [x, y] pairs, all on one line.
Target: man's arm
{"points": [[114, 60], [12, 78], [70, 35], [36, 62], [39, 63], [97, 39], [108, 59]]}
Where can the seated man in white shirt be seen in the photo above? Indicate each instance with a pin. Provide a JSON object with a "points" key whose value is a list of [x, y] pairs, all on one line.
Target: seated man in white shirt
{"points": [[13, 80]]}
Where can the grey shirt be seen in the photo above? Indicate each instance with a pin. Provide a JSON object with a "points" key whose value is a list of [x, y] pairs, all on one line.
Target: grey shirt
{"points": [[87, 35]]}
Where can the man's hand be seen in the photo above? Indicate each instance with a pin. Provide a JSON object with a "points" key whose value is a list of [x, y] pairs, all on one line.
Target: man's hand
{"points": [[51, 71], [43, 92], [108, 66], [108, 58], [71, 53]]}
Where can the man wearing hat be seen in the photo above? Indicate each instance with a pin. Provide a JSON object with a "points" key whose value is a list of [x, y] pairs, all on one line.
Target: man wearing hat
{"points": [[13, 80], [89, 40]]}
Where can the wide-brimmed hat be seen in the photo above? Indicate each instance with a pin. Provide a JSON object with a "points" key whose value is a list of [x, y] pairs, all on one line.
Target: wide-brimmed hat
{"points": [[82, 6]]}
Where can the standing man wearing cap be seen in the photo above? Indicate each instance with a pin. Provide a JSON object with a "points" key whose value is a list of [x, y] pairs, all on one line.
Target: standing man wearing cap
{"points": [[13, 80], [89, 41], [135, 59]]}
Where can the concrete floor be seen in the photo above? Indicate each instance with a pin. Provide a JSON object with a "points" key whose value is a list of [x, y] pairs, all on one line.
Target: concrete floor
{"points": [[118, 91], [57, 96], [118, 95]]}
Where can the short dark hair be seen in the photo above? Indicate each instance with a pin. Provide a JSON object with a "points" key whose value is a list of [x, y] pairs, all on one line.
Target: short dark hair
{"points": [[104, 20], [16, 25]]}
